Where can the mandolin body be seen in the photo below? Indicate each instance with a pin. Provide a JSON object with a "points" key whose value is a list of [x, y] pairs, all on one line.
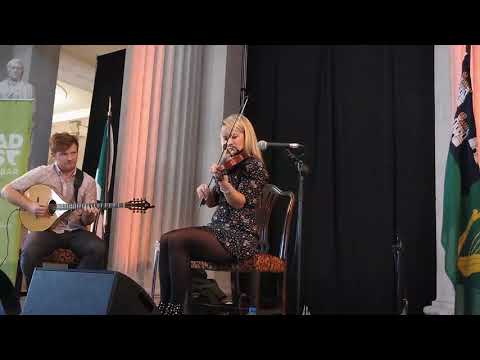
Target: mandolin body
{"points": [[43, 195]]}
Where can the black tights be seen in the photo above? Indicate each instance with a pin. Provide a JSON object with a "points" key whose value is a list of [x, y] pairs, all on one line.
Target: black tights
{"points": [[177, 248]]}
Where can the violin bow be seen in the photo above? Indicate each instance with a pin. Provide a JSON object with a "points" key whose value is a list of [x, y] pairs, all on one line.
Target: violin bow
{"points": [[226, 142]]}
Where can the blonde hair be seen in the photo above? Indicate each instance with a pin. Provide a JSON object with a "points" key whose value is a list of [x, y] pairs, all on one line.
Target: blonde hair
{"points": [[244, 125]]}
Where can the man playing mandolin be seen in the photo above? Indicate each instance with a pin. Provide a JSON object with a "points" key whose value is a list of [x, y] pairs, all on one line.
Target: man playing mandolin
{"points": [[70, 230]]}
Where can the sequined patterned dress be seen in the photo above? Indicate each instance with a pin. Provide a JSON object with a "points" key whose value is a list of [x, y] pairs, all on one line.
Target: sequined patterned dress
{"points": [[236, 229]]}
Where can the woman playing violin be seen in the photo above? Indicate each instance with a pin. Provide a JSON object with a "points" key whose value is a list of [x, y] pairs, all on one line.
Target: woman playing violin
{"points": [[232, 233]]}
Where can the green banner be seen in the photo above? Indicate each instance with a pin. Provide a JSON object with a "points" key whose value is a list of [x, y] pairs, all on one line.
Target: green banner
{"points": [[15, 136]]}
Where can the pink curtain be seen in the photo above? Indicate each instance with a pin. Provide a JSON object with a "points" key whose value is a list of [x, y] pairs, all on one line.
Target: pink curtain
{"points": [[157, 151], [137, 156]]}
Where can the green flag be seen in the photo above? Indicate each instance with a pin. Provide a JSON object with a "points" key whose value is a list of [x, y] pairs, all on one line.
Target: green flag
{"points": [[15, 135], [103, 176], [461, 228]]}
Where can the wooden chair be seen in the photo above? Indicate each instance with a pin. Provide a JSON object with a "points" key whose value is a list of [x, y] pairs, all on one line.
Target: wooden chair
{"points": [[273, 257]]}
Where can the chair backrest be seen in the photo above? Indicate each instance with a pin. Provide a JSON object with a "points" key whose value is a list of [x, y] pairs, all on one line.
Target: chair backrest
{"points": [[266, 204]]}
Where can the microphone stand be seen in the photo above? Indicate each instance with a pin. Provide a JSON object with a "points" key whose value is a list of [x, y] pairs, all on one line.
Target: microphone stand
{"points": [[302, 170], [243, 299], [401, 302]]}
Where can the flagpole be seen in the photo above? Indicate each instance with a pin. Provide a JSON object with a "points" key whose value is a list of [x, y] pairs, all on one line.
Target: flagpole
{"points": [[106, 230]]}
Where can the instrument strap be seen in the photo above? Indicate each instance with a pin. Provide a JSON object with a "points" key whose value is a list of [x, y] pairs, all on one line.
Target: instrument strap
{"points": [[77, 183]]}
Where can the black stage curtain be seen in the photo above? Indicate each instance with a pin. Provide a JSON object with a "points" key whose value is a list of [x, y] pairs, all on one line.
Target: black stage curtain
{"points": [[366, 117], [108, 82]]}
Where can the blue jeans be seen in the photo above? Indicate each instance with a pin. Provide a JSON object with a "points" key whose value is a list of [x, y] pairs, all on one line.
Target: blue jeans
{"points": [[38, 244]]}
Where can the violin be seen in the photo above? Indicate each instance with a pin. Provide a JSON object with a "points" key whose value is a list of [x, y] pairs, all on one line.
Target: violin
{"points": [[230, 163]]}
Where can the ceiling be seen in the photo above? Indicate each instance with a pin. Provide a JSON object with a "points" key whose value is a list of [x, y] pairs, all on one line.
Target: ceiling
{"points": [[89, 53], [71, 101], [68, 97]]}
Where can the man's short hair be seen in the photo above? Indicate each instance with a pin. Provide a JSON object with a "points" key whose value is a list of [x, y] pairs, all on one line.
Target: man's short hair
{"points": [[62, 141]]}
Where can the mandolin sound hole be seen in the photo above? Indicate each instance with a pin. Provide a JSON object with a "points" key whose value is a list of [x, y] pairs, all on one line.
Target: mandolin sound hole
{"points": [[52, 207]]}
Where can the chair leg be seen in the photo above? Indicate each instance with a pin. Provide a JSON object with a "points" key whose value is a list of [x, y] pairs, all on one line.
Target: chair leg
{"points": [[234, 283], [239, 299], [155, 271], [284, 293], [19, 278], [256, 280]]}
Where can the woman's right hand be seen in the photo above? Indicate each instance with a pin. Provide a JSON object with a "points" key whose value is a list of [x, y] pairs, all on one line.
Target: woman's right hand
{"points": [[203, 191], [38, 210]]}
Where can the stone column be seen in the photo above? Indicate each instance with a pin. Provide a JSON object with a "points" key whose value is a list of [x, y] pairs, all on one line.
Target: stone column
{"points": [[43, 69], [40, 69], [444, 303]]}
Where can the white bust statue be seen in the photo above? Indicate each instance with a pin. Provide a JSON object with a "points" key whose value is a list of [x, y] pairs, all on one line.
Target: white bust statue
{"points": [[13, 87]]}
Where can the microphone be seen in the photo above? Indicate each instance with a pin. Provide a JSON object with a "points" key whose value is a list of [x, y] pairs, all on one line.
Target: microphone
{"points": [[263, 145]]}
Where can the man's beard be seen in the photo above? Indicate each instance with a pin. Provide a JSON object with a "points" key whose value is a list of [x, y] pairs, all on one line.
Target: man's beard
{"points": [[67, 168]]}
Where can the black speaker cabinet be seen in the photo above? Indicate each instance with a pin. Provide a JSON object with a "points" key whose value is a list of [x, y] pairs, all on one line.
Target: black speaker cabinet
{"points": [[9, 301], [85, 292]]}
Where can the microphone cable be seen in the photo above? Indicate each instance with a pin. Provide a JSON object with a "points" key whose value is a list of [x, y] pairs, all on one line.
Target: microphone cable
{"points": [[8, 237]]}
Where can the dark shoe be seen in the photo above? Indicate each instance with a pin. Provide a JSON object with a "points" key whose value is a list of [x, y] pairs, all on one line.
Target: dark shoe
{"points": [[173, 309], [161, 308]]}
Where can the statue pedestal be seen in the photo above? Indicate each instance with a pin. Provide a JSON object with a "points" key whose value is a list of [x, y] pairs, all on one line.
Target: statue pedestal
{"points": [[440, 308]]}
